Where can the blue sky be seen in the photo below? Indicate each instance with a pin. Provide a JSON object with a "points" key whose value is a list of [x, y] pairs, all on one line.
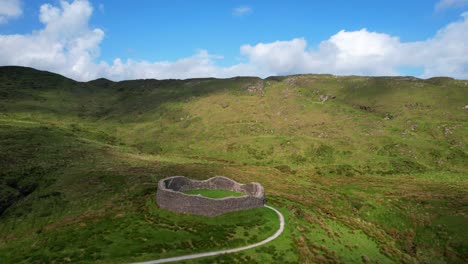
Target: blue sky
{"points": [[185, 39], [176, 29]]}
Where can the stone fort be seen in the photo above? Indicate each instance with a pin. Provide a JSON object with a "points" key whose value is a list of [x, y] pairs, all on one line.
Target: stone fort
{"points": [[170, 196]]}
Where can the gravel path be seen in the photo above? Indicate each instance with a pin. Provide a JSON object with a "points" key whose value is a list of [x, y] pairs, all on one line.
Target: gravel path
{"points": [[227, 251]]}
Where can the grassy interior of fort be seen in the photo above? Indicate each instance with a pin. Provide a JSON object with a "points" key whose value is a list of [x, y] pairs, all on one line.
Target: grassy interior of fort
{"points": [[216, 194], [364, 169]]}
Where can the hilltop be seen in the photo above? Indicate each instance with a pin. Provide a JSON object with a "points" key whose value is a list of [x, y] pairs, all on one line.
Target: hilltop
{"points": [[364, 168]]}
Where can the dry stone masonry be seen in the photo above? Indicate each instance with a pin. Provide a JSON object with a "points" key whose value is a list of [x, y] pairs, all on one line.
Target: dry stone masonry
{"points": [[170, 196]]}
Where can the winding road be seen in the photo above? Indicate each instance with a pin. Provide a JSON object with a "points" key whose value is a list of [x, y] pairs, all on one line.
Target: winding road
{"points": [[226, 251]]}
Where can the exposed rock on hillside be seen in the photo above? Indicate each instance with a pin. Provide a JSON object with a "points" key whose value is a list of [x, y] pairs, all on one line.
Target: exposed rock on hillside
{"points": [[325, 98]]}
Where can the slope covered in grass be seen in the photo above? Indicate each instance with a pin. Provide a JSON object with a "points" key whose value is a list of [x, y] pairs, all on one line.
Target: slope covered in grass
{"points": [[364, 168]]}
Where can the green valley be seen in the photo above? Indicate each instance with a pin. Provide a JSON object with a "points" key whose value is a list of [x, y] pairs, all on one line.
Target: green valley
{"points": [[365, 169]]}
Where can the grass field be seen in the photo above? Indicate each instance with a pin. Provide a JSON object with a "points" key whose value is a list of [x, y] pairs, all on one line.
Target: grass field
{"points": [[216, 194], [377, 174]]}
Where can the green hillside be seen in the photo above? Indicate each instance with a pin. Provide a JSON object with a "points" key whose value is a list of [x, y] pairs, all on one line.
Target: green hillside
{"points": [[365, 169]]}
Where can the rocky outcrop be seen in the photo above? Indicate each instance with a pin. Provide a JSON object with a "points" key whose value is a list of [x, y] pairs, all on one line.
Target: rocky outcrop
{"points": [[170, 196]]}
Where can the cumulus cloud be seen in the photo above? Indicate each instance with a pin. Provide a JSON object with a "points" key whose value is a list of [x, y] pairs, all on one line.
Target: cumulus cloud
{"points": [[357, 52], [242, 11], [68, 45], [444, 54], [9, 9], [444, 4], [367, 53], [202, 64]]}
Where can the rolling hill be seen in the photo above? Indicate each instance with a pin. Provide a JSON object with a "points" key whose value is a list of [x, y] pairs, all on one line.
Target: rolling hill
{"points": [[365, 169]]}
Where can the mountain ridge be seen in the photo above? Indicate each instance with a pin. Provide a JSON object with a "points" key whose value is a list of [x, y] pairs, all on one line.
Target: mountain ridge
{"points": [[273, 77]]}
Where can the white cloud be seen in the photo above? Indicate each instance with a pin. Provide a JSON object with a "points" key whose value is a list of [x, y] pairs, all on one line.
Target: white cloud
{"points": [[444, 54], [357, 52], [242, 11], [444, 4], [65, 45], [365, 53], [68, 45], [9, 9], [199, 65]]}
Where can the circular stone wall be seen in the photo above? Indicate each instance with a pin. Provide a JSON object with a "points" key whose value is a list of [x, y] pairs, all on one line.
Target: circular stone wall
{"points": [[170, 196]]}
